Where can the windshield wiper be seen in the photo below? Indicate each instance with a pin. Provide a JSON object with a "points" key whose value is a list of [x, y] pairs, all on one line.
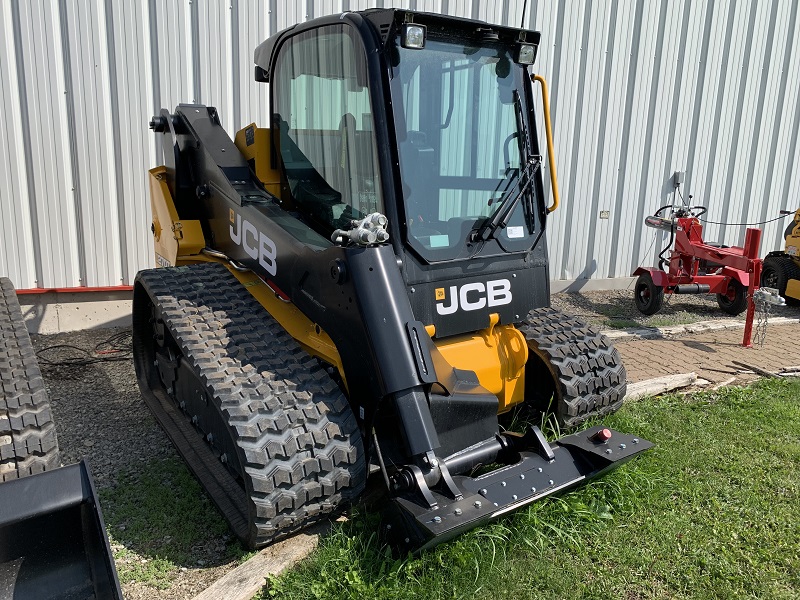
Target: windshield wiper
{"points": [[524, 180], [507, 204]]}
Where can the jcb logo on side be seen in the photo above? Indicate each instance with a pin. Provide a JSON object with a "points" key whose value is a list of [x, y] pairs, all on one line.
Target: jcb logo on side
{"points": [[474, 296], [257, 245]]}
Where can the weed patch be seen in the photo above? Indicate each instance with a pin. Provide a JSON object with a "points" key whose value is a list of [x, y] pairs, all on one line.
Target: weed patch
{"points": [[159, 520]]}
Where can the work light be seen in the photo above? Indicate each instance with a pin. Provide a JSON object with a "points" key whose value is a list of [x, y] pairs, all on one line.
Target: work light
{"points": [[526, 54], [414, 36]]}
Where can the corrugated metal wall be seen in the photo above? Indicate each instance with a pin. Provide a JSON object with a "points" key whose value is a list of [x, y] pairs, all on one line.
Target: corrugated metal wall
{"points": [[639, 89]]}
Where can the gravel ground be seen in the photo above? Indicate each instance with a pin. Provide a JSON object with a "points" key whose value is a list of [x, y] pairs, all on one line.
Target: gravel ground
{"points": [[100, 415], [615, 309]]}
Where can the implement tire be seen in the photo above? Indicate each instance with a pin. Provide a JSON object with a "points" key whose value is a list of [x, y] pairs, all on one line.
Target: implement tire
{"points": [[269, 435], [573, 371], [648, 296], [734, 301], [28, 442]]}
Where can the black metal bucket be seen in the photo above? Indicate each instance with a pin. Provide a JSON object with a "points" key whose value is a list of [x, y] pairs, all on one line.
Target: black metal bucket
{"points": [[53, 542]]}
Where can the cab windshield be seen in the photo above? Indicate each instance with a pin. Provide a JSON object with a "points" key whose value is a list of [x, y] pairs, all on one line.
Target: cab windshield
{"points": [[459, 112]]}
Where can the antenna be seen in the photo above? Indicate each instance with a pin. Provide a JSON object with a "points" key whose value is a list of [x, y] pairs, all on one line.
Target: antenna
{"points": [[522, 21]]}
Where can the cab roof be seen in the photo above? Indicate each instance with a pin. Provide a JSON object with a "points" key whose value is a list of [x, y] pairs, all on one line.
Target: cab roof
{"points": [[385, 23]]}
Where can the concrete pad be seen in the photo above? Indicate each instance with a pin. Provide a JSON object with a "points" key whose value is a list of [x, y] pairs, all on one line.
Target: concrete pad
{"points": [[55, 312]]}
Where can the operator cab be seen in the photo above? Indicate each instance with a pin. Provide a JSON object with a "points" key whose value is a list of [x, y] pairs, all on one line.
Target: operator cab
{"points": [[460, 109], [425, 119]]}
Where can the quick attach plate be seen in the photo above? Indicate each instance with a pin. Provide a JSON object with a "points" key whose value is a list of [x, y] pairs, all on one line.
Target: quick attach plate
{"points": [[576, 459]]}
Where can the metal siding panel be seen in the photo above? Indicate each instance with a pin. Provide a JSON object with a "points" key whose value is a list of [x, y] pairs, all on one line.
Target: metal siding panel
{"points": [[16, 237], [785, 177], [136, 143], [764, 204], [215, 68], [254, 27], [638, 90], [290, 13], [174, 52], [50, 164], [92, 136]]}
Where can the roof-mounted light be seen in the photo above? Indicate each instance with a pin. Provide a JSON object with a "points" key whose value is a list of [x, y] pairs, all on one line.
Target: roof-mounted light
{"points": [[526, 54], [413, 36]]}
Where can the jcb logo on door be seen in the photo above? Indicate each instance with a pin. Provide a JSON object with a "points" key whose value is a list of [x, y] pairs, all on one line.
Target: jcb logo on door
{"points": [[257, 245], [473, 296]]}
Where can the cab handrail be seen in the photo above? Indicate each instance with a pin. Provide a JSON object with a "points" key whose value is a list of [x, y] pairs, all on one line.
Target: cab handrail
{"points": [[551, 155]]}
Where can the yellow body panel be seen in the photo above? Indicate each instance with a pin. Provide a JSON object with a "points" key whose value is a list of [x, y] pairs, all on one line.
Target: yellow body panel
{"points": [[497, 354], [175, 240], [254, 144], [793, 289], [793, 239]]}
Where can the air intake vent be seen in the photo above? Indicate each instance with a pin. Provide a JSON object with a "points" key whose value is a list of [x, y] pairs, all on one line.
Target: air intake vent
{"points": [[384, 31]]}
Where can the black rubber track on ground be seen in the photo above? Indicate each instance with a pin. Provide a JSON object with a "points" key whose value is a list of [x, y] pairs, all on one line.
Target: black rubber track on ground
{"points": [[297, 437], [28, 442], [585, 371]]}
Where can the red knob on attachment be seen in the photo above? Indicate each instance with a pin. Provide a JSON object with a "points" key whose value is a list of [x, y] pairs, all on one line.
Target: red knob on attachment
{"points": [[602, 435]]}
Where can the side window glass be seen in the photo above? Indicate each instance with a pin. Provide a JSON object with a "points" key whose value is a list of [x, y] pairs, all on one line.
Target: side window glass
{"points": [[325, 128]]}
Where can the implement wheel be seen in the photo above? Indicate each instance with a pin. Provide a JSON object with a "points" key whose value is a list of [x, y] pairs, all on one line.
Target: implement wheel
{"points": [[27, 435], [734, 301], [649, 297], [776, 273], [260, 423], [573, 370]]}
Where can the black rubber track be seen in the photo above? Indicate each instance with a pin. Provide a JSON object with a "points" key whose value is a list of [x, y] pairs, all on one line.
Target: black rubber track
{"points": [[574, 365], [297, 438], [28, 442]]}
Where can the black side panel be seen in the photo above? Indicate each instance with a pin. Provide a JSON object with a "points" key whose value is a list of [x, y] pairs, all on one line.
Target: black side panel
{"points": [[462, 300]]}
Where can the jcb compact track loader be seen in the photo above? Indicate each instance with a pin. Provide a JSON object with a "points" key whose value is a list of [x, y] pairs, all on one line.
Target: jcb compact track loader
{"points": [[363, 285]]}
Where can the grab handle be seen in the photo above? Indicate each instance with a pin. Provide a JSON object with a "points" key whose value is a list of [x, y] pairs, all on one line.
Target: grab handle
{"points": [[551, 155]]}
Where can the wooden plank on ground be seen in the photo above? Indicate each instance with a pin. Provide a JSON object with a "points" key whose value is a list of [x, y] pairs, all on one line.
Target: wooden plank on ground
{"points": [[246, 580], [659, 385], [755, 369]]}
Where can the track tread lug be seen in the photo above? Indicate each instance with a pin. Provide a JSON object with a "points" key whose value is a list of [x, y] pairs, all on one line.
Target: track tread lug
{"points": [[28, 443], [587, 371]]}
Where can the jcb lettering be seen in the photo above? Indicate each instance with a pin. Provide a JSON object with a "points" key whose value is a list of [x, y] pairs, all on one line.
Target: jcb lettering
{"points": [[256, 244], [250, 248], [474, 296], [479, 301], [498, 292]]}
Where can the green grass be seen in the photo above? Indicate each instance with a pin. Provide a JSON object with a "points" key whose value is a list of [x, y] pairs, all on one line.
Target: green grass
{"points": [[619, 323], [712, 512], [657, 320], [159, 521]]}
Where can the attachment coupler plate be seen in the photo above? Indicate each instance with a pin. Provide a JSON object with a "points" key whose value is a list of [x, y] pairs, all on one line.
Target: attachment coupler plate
{"points": [[538, 472]]}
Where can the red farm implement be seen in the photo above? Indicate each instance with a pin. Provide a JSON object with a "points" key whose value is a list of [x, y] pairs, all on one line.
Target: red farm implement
{"points": [[695, 267]]}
